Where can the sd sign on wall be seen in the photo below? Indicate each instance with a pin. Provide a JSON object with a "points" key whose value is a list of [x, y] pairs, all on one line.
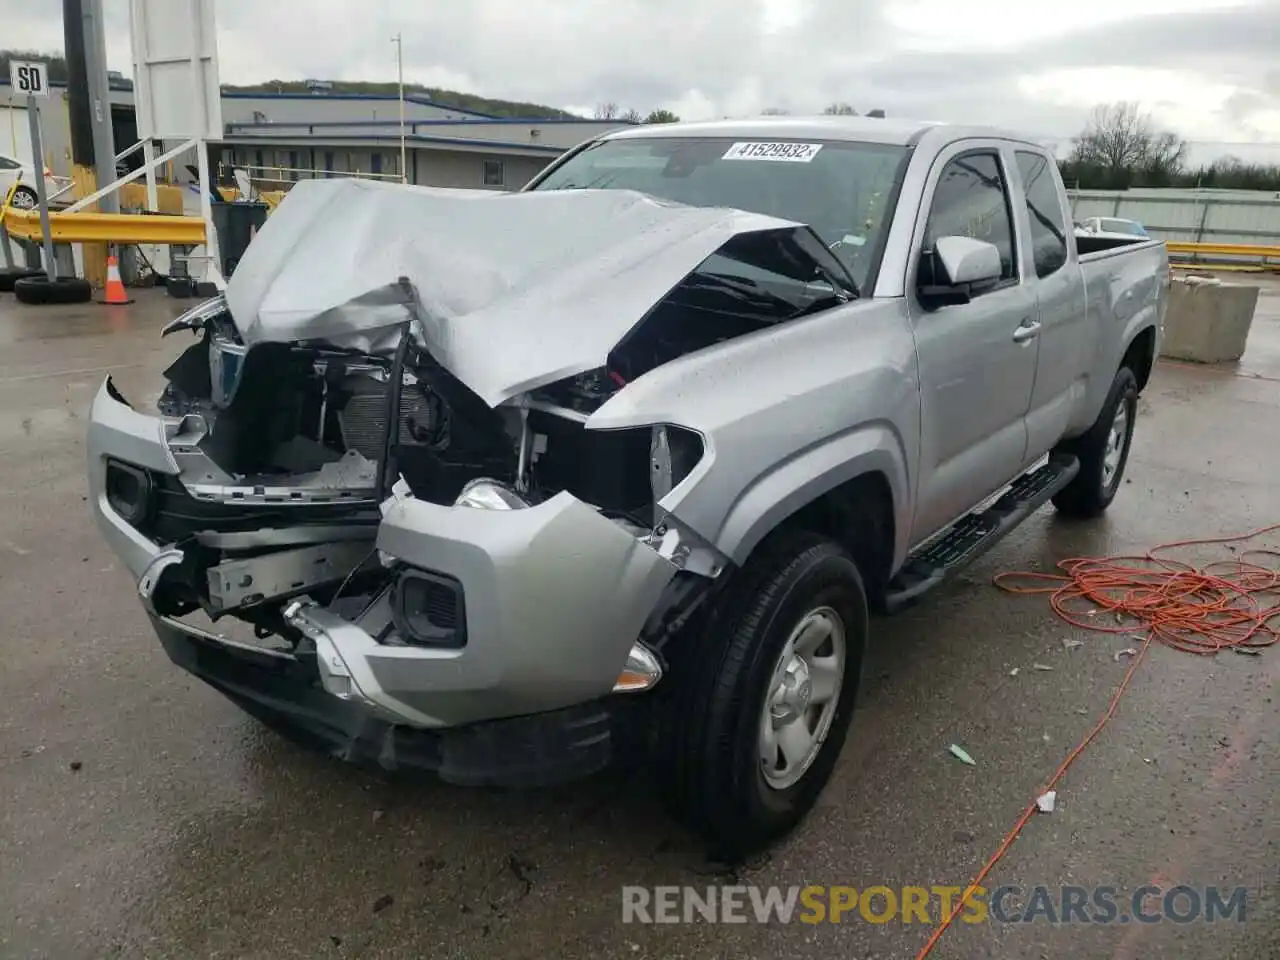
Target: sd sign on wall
{"points": [[29, 78]]}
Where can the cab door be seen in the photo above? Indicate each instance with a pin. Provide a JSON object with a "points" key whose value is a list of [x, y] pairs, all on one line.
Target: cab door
{"points": [[977, 359]]}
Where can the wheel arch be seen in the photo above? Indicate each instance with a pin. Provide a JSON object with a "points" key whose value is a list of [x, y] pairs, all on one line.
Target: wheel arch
{"points": [[853, 489], [1140, 355]]}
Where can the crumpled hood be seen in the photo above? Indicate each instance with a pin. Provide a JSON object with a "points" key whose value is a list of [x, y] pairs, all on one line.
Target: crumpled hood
{"points": [[513, 290]]}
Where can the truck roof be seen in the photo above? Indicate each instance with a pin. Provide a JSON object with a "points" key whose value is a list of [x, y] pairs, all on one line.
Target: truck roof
{"points": [[861, 129]]}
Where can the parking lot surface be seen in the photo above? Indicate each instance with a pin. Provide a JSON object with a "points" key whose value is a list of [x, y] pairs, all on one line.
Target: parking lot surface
{"points": [[143, 815]]}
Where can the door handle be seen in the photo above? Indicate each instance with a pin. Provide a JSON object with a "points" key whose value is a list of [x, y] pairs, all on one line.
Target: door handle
{"points": [[1027, 330]]}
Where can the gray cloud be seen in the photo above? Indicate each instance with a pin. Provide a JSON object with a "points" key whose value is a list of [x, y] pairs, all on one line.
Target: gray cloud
{"points": [[648, 53]]}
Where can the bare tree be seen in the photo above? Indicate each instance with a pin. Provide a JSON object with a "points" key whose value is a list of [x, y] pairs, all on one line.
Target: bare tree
{"points": [[774, 112], [607, 111], [661, 116], [840, 110], [632, 116], [1120, 141]]}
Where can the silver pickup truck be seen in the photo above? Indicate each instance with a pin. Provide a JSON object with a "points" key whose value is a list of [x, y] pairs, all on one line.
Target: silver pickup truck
{"points": [[505, 486]]}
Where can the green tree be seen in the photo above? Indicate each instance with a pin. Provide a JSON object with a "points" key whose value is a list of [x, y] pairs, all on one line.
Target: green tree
{"points": [[661, 116]]}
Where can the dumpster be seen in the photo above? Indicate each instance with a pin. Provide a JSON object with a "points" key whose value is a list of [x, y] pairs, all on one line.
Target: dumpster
{"points": [[236, 224]]}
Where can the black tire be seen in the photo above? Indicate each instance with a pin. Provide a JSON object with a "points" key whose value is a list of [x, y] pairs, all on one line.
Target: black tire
{"points": [[1091, 492], [10, 276], [41, 290], [712, 771], [24, 198]]}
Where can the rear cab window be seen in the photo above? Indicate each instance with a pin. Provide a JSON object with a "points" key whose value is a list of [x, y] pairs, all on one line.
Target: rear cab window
{"points": [[1044, 210]]}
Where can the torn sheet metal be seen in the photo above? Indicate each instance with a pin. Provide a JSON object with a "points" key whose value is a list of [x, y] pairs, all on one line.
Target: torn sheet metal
{"points": [[513, 290]]}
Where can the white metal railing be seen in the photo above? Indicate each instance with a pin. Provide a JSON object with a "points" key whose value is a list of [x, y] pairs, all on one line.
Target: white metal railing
{"points": [[290, 174]]}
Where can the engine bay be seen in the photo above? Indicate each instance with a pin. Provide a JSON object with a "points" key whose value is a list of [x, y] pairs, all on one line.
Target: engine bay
{"points": [[286, 450]]}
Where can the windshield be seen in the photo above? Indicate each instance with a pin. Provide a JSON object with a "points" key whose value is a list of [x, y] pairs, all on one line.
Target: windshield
{"points": [[1123, 226], [842, 190]]}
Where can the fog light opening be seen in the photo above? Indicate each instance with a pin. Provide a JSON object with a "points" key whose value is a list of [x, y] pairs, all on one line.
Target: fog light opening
{"points": [[128, 490]]}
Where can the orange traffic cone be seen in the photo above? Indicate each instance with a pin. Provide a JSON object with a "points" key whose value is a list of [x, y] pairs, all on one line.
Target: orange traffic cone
{"points": [[114, 291]]}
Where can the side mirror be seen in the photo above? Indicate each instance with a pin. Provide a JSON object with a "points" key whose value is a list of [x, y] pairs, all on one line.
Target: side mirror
{"points": [[955, 268], [967, 261]]}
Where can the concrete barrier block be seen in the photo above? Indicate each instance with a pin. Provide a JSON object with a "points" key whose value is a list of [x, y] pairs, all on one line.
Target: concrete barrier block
{"points": [[1207, 320]]}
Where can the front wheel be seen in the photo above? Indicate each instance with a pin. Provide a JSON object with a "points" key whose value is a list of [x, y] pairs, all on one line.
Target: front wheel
{"points": [[1103, 452], [765, 695]]}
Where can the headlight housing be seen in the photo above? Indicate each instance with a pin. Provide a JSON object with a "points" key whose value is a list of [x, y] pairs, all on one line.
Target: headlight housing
{"points": [[486, 494]]}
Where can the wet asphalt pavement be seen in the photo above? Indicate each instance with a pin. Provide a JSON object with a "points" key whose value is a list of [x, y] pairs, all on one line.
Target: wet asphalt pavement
{"points": [[143, 815]]}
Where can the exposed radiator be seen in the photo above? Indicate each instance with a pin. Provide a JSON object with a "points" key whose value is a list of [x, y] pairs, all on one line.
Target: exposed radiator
{"points": [[363, 419]]}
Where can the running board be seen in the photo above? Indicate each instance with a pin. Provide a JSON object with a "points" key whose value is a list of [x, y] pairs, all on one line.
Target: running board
{"points": [[976, 533]]}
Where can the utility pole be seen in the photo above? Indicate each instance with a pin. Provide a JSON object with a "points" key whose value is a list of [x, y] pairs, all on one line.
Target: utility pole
{"points": [[399, 42], [89, 115], [95, 68]]}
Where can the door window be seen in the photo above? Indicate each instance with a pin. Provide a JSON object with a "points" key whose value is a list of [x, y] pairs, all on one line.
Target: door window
{"points": [[972, 200], [1044, 208]]}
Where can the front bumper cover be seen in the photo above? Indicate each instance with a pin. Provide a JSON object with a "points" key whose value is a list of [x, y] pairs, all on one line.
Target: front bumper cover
{"points": [[282, 691], [556, 595]]}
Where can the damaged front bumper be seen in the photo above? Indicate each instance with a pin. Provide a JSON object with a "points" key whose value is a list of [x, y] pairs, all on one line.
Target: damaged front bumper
{"points": [[550, 601]]}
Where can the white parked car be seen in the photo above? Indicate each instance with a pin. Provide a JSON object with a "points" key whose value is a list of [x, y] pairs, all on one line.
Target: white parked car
{"points": [[1116, 227], [13, 170]]}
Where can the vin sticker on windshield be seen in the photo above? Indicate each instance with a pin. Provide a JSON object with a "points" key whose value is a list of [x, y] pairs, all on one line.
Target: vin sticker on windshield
{"points": [[783, 152]]}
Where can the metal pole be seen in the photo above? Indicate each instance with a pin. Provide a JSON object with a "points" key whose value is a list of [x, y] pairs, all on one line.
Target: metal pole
{"points": [[213, 259], [33, 115], [4, 246], [1204, 217], [149, 159], [399, 42], [95, 68]]}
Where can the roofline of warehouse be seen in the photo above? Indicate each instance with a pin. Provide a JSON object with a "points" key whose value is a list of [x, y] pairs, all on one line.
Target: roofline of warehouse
{"points": [[244, 125], [125, 85], [359, 140], [409, 98]]}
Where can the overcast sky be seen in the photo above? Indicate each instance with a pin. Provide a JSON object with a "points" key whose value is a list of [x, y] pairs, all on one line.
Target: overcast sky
{"points": [[1205, 68]]}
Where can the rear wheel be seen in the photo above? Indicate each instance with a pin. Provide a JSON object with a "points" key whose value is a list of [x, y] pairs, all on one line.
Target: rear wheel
{"points": [[764, 697], [1103, 452]]}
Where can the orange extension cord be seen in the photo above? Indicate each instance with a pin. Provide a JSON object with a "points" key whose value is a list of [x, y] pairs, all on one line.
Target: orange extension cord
{"points": [[1200, 610]]}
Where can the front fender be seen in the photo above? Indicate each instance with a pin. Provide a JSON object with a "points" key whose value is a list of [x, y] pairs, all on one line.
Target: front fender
{"points": [[774, 496]]}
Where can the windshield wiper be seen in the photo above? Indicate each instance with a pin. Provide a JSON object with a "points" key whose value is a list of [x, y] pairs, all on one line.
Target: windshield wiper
{"points": [[598, 183]]}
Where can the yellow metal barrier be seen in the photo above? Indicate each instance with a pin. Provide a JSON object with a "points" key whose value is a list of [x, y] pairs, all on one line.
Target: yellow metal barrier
{"points": [[1225, 256], [1225, 249], [106, 227]]}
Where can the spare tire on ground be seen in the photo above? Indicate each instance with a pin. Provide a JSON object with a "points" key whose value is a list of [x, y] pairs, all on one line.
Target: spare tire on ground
{"points": [[42, 290], [11, 275]]}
